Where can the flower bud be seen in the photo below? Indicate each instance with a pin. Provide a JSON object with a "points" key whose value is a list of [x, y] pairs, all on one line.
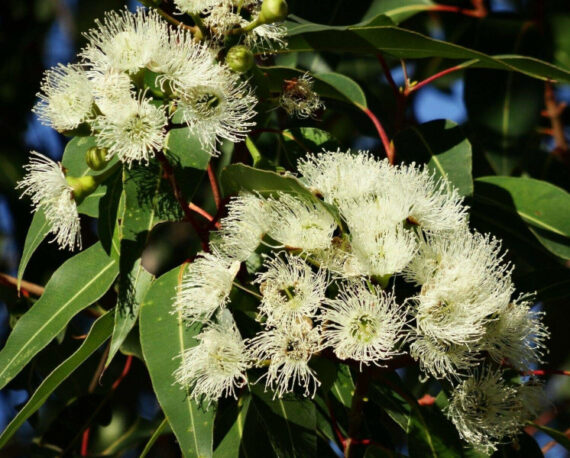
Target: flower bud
{"points": [[239, 59], [82, 186], [273, 11], [96, 158]]}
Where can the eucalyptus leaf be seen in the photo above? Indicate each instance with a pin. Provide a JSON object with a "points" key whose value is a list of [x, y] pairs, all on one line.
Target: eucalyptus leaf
{"points": [[164, 336], [78, 283], [99, 333]]}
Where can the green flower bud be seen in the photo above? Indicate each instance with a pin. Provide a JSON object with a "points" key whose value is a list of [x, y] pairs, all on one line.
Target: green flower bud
{"points": [[273, 11], [239, 59], [82, 186], [96, 158]]}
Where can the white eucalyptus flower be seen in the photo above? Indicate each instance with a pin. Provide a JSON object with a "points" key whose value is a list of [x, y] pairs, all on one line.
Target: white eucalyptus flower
{"points": [[434, 205], [376, 250], [221, 109], [112, 90], [518, 335], [299, 223], [125, 41], [270, 37], [215, 367], [132, 132], [206, 286], [299, 99], [291, 290], [288, 349], [183, 64], [465, 285], [244, 226], [364, 324], [339, 176], [488, 411], [66, 98], [50, 192], [193, 7], [442, 359]]}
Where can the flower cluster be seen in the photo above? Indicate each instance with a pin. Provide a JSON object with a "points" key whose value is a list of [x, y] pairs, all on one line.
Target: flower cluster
{"points": [[136, 77], [328, 264]]}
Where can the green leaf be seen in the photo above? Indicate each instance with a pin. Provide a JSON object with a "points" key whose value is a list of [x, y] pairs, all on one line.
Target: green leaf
{"points": [[328, 85], [430, 434], [542, 206], [139, 215], [290, 423], [299, 141], [232, 445], [157, 433], [184, 150], [99, 333], [163, 337], [343, 387], [38, 231], [78, 283], [238, 177], [74, 162], [397, 10], [558, 436], [443, 145], [391, 403], [376, 36]]}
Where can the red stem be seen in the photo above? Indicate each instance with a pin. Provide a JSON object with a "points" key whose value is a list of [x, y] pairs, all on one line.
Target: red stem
{"points": [[479, 12], [126, 370], [214, 185], [85, 442], [169, 175], [388, 75], [410, 89], [203, 213], [334, 423], [542, 372], [381, 132]]}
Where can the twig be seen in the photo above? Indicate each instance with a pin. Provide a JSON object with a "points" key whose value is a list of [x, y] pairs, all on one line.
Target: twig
{"points": [[32, 288], [214, 185], [426, 400], [381, 133], [411, 88], [204, 213], [478, 11], [169, 175], [542, 372], [191, 28], [553, 111], [388, 75]]}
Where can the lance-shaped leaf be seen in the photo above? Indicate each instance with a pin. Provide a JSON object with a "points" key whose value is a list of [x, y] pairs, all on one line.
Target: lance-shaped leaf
{"points": [[441, 144], [541, 205], [381, 35], [164, 335], [39, 229], [99, 333], [78, 283], [397, 10]]}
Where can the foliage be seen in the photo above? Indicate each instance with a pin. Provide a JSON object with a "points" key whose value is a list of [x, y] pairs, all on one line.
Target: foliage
{"points": [[508, 161]]}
